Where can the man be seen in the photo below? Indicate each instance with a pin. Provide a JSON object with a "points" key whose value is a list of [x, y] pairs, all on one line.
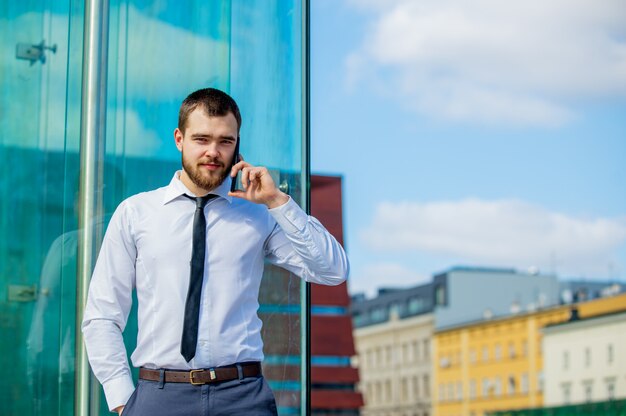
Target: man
{"points": [[198, 344]]}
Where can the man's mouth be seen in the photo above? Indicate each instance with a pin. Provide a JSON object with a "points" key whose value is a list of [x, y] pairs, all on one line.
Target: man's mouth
{"points": [[211, 165]]}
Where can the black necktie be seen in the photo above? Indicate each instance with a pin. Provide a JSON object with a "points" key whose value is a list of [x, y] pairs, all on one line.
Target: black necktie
{"points": [[192, 306]]}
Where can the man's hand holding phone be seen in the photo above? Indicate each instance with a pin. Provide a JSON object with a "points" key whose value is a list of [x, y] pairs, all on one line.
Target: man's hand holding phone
{"points": [[257, 185]]}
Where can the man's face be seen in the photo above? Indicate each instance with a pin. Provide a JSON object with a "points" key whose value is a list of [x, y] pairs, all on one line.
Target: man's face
{"points": [[207, 147]]}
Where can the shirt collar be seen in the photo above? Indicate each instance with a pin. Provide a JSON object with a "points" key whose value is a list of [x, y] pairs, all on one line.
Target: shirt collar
{"points": [[177, 188]]}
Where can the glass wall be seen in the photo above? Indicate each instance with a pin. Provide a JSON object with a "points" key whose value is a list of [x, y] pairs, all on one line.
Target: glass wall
{"points": [[158, 52]]}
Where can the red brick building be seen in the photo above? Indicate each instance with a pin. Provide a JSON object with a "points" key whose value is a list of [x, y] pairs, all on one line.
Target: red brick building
{"points": [[333, 379]]}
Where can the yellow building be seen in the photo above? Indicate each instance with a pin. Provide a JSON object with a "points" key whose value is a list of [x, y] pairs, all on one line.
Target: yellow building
{"points": [[497, 364]]}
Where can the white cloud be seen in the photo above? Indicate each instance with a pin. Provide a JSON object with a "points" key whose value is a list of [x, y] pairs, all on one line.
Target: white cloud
{"points": [[370, 277], [504, 233], [493, 61]]}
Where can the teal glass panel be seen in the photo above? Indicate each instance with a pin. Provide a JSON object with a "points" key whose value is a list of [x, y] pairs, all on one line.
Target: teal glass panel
{"points": [[266, 79], [41, 52], [158, 53]]}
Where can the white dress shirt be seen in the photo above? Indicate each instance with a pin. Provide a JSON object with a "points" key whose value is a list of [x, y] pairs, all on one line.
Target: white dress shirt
{"points": [[147, 246]]}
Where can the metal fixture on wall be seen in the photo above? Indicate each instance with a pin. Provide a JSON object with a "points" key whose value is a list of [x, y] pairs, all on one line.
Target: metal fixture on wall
{"points": [[34, 53]]}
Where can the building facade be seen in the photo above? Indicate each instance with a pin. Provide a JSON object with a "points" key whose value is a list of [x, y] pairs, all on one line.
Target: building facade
{"points": [[394, 359], [89, 99], [333, 377], [498, 363], [499, 293], [393, 334], [585, 360]]}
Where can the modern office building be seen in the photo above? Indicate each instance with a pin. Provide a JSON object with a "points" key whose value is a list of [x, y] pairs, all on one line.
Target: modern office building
{"points": [[333, 377], [584, 359], [495, 292], [497, 363], [90, 96]]}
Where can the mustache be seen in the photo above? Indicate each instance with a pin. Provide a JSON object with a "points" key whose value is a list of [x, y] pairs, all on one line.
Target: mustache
{"points": [[213, 161]]}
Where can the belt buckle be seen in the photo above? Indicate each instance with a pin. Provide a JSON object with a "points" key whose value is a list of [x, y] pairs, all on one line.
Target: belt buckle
{"points": [[191, 380], [212, 376]]}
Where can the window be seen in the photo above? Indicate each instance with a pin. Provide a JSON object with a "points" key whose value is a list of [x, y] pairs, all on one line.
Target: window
{"points": [[472, 389], [404, 390], [540, 381], [416, 386], [610, 389], [609, 353], [397, 309], [378, 314], [498, 352], [426, 349], [565, 360], [426, 385], [388, 397], [511, 350], [587, 357], [485, 354], [388, 354], [511, 385], [472, 356], [440, 295], [525, 348], [459, 391], [497, 386], [416, 350], [442, 393], [566, 389], [486, 387], [416, 305], [450, 391], [524, 383], [588, 389]]}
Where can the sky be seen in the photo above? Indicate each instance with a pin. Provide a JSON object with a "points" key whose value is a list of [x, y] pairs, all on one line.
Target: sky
{"points": [[483, 133]]}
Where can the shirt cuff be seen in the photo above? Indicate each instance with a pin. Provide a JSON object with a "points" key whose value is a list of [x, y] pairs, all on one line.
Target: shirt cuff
{"points": [[290, 217], [118, 391]]}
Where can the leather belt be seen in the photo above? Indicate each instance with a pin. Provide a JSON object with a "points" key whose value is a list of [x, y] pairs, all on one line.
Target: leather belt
{"points": [[203, 376]]}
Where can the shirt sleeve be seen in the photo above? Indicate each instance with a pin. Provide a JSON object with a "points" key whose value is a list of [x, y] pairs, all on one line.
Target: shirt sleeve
{"points": [[301, 244], [108, 305]]}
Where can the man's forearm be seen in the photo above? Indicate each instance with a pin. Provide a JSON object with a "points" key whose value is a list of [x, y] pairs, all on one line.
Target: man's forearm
{"points": [[306, 248], [107, 356]]}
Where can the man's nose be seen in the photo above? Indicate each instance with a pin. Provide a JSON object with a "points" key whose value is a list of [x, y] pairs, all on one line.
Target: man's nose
{"points": [[211, 150]]}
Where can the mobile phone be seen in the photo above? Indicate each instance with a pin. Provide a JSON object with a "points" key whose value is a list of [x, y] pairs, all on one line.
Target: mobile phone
{"points": [[236, 179]]}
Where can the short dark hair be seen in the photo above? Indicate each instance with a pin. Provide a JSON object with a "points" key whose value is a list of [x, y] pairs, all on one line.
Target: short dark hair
{"points": [[213, 101]]}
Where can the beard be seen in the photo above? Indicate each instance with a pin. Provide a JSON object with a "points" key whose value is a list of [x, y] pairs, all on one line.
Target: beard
{"points": [[203, 179]]}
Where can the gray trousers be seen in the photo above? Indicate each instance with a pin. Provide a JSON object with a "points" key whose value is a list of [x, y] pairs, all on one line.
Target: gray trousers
{"points": [[246, 396]]}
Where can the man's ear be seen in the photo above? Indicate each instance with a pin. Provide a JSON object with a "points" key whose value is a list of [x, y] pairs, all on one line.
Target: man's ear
{"points": [[178, 138]]}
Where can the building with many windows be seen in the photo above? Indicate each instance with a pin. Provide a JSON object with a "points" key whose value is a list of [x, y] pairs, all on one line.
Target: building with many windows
{"points": [[393, 334], [394, 359], [497, 363], [585, 360]]}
